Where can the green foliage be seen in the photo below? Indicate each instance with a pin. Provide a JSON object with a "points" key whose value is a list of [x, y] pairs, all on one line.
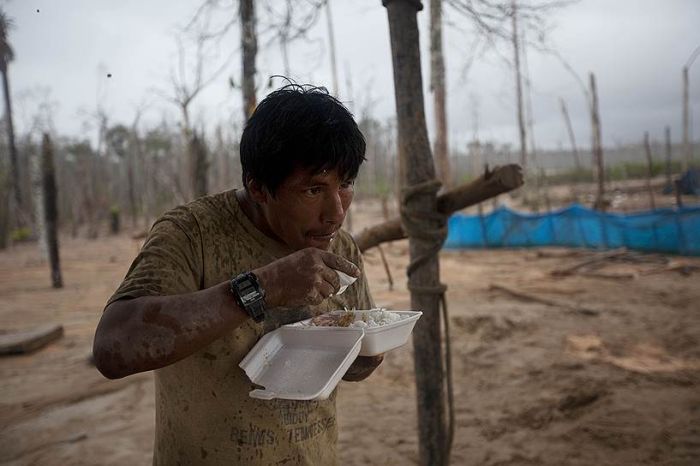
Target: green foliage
{"points": [[21, 234], [617, 172]]}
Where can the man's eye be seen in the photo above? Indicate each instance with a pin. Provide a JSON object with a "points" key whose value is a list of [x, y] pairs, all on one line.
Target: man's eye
{"points": [[348, 184], [313, 191]]}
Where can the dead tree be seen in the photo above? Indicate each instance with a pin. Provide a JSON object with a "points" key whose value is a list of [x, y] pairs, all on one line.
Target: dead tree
{"points": [[199, 180], [650, 168], [597, 146], [437, 86], [331, 42], [6, 56], [518, 86], [50, 210], [570, 130], [249, 45], [425, 228]]}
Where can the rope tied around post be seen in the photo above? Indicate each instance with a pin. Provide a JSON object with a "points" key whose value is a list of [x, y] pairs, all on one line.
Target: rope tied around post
{"points": [[432, 234]]}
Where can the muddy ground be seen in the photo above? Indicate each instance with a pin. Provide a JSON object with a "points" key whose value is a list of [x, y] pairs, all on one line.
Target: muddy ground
{"points": [[604, 369]]}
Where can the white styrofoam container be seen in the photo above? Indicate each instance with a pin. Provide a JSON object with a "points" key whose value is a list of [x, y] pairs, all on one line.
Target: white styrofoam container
{"points": [[378, 340], [301, 363]]}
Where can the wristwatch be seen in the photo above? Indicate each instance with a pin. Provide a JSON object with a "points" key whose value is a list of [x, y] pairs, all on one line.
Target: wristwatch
{"points": [[249, 295]]}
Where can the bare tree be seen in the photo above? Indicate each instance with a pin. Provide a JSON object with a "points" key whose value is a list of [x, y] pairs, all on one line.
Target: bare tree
{"points": [[687, 150], [50, 210], [6, 56], [597, 147], [570, 130], [249, 45], [438, 88]]}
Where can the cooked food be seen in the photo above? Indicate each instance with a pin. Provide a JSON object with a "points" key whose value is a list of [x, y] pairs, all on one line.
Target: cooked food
{"points": [[362, 319], [343, 319]]}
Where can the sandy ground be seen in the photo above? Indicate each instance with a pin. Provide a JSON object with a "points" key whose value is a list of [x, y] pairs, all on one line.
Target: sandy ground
{"points": [[534, 384]]}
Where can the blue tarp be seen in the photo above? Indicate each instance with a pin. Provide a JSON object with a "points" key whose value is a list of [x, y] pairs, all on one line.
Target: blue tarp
{"points": [[675, 231]]}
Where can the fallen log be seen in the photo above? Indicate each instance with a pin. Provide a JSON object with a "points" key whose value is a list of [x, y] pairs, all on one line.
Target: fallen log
{"points": [[492, 183], [27, 341], [527, 297]]}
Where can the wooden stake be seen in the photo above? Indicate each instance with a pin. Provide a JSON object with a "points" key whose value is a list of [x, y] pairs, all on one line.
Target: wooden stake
{"points": [[669, 181], [686, 120], [647, 149]]}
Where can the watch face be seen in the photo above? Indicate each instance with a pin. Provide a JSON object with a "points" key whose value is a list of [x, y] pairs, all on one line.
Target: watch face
{"points": [[249, 297]]}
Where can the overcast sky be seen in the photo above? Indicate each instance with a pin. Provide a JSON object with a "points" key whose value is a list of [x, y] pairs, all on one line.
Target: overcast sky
{"points": [[636, 48]]}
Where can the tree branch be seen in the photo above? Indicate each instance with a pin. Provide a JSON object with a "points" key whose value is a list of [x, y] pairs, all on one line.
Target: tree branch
{"points": [[492, 183]]}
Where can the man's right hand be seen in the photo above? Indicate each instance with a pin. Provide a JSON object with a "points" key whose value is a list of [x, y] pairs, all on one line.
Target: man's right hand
{"points": [[305, 277]]}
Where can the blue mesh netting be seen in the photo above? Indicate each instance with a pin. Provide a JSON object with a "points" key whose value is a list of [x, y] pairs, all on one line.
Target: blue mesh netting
{"points": [[664, 230]]}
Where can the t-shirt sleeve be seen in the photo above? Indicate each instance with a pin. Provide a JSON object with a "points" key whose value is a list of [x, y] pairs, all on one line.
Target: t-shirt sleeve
{"points": [[170, 261]]}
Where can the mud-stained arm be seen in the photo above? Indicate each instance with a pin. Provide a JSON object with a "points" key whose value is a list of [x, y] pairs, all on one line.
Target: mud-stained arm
{"points": [[150, 332], [362, 368]]}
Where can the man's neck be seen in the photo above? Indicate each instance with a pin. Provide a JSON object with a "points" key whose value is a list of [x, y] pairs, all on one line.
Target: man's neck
{"points": [[253, 211]]}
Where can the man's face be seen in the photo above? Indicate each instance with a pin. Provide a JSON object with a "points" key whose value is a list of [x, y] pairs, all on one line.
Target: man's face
{"points": [[308, 208]]}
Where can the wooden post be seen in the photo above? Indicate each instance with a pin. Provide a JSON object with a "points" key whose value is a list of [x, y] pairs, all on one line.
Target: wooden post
{"points": [[650, 167], [50, 210], [597, 146], [437, 86], [669, 181], [249, 45], [519, 87], [418, 212], [686, 121]]}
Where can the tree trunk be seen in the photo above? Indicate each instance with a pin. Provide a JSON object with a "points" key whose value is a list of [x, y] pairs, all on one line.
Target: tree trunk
{"points": [[37, 192], [570, 130], [418, 212], [600, 203], [519, 87], [650, 173], [14, 158], [50, 210], [249, 45], [198, 151], [437, 86], [491, 184], [331, 41], [669, 182]]}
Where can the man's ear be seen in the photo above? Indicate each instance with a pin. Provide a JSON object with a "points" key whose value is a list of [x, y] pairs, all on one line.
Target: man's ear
{"points": [[257, 191]]}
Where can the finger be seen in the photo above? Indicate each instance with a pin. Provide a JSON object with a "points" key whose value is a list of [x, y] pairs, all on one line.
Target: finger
{"points": [[325, 289], [331, 277], [336, 262]]}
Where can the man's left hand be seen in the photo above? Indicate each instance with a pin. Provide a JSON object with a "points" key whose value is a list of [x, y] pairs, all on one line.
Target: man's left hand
{"points": [[362, 367]]}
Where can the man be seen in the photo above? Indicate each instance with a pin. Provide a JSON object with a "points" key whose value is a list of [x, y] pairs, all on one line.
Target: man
{"points": [[218, 273]]}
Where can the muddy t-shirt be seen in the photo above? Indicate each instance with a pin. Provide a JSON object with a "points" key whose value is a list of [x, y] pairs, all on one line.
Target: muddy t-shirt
{"points": [[204, 414]]}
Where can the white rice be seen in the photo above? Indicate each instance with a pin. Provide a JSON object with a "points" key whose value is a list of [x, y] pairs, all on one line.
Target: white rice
{"points": [[375, 318]]}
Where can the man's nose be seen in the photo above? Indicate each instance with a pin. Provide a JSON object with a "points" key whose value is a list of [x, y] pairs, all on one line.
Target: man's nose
{"points": [[333, 209]]}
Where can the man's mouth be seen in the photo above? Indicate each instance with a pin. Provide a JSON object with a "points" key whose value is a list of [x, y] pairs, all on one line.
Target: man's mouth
{"points": [[323, 236]]}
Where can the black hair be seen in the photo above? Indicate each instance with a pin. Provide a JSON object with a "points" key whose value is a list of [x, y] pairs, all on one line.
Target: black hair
{"points": [[300, 126]]}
